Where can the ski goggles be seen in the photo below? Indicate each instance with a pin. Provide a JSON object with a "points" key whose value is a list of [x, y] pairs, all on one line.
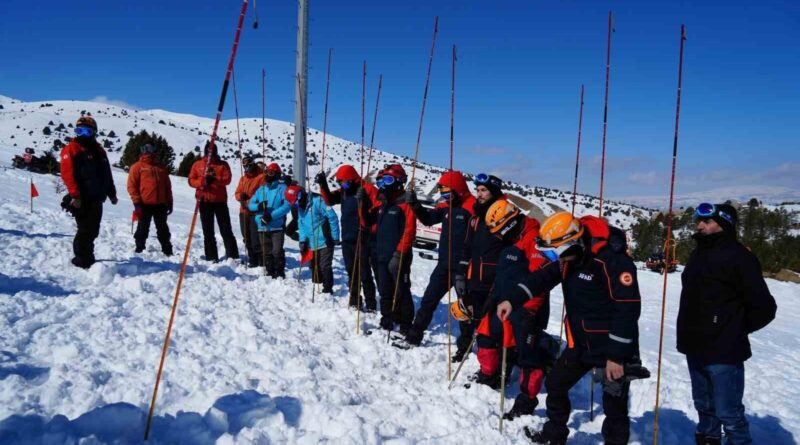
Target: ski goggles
{"points": [[149, 149], [483, 179], [296, 203], [387, 181], [553, 253], [445, 192], [345, 185], [707, 211], [84, 131]]}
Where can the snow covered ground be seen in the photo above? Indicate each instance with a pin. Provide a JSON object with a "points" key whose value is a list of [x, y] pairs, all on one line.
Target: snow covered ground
{"points": [[252, 360]]}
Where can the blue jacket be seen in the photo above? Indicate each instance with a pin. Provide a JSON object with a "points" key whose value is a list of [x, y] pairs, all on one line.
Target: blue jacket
{"points": [[277, 206], [317, 223]]}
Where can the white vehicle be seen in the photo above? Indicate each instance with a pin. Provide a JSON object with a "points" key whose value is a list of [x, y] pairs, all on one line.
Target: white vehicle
{"points": [[427, 237]]}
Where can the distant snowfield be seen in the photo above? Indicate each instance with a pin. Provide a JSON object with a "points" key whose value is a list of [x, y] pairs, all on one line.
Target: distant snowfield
{"points": [[252, 360]]}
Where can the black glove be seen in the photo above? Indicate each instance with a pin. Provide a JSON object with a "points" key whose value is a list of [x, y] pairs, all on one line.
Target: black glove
{"points": [[266, 218], [411, 198], [209, 180], [75, 203], [114, 200], [262, 206], [293, 235], [243, 196], [361, 194], [169, 208], [394, 263], [460, 285], [303, 247], [137, 208], [321, 179]]}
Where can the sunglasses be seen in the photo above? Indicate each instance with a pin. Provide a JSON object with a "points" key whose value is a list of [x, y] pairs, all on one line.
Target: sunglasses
{"points": [[707, 210], [84, 131]]}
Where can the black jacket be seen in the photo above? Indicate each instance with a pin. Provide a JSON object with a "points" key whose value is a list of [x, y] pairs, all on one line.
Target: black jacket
{"points": [[602, 299], [724, 298], [397, 227], [479, 257], [440, 214]]}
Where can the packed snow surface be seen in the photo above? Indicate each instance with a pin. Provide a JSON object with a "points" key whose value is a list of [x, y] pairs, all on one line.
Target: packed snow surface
{"points": [[253, 360]]}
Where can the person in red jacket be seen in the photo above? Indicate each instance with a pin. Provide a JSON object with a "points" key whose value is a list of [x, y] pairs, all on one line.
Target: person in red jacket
{"points": [[396, 228], [87, 174], [151, 193], [210, 181], [248, 184]]}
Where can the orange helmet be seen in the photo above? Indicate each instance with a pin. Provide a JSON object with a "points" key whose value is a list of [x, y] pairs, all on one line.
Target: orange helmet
{"points": [[459, 312], [559, 232], [499, 215], [87, 121]]}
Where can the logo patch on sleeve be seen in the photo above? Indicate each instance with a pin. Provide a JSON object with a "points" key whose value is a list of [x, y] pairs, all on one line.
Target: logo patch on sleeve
{"points": [[626, 278]]}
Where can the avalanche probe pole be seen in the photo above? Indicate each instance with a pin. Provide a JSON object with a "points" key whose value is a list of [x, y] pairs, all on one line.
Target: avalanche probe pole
{"points": [[450, 221], [605, 112], [416, 158], [669, 231], [355, 275], [194, 219]]}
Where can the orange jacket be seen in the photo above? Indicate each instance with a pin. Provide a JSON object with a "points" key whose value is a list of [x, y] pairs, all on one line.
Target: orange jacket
{"points": [[86, 171], [148, 182], [248, 184], [216, 191]]}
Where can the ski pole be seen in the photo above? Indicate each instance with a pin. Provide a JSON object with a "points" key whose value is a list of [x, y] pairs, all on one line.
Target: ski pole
{"points": [[194, 220], [503, 386], [669, 234], [416, 158], [463, 360], [605, 112]]}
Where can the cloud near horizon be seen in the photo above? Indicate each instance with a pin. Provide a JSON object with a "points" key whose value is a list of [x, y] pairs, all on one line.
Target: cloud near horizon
{"points": [[117, 103]]}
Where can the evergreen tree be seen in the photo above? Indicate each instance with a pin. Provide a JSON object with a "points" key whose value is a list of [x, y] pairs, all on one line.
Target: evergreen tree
{"points": [[133, 147], [185, 166]]}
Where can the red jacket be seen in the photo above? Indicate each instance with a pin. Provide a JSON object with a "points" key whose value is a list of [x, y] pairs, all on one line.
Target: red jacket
{"points": [[216, 191], [248, 184], [148, 182]]}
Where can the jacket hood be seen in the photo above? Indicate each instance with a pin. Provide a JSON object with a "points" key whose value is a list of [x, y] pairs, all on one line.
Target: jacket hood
{"points": [[347, 173], [455, 180]]}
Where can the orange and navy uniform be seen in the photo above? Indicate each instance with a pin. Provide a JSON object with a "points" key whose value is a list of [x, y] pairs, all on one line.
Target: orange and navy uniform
{"points": [[601, 294], [396, 229], [248, 184]]}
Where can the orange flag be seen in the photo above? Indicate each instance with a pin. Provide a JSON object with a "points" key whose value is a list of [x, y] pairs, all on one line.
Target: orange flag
{"points": [[34, 192]]}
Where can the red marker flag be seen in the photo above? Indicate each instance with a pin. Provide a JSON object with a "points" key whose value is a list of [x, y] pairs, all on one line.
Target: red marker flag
{"points": [[135, 216], [306, 256], [34, 192]]}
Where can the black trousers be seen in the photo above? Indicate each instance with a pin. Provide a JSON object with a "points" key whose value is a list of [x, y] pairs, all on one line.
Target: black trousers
{"points": [[322, 268], [252, 243], [218, 210], [403, 312], [565, 374], [88, 218], [157, 213], [364, 273], [437, 288], [273, 253]]}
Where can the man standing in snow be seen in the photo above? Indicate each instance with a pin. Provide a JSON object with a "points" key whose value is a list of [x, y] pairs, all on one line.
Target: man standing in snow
{"points": [[87, 174], [356, 235], [453, 191], [474, 277], [601, 293], [271, 208], [724, 298], [248, 184], [210, 182], [396, 227], [318, 230], [151, 193]]}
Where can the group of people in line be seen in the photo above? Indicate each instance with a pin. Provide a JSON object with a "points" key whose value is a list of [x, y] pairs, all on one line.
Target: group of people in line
{"points": [[500, 262]]}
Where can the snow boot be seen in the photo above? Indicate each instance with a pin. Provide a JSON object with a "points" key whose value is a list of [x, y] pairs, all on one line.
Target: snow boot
{"points": [[386, 323], [413, 337], [139, 249], [461, 348], [81, 263], [492, 381], [702, 439], [523, 406], [539, 438], [404, 328], [167, 250]]}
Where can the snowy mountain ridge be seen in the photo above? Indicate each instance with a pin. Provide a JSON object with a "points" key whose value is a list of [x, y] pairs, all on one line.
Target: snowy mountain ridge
{"points": [[22, 125]]}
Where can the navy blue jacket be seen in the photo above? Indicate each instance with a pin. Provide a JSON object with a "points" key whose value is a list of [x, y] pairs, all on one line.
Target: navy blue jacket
{"points": [[396, 230], [441, 214]]}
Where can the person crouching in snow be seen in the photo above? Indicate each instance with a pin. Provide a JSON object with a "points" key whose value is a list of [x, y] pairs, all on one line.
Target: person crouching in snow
{"points": [[210, 181], [271, 208], [454, 191], [318, 230], [396, 229], [151, 194], [524, 327], [248, 184]]}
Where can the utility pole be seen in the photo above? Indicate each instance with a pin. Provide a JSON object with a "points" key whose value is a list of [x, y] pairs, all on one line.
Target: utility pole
{"points": [[301, 96]]}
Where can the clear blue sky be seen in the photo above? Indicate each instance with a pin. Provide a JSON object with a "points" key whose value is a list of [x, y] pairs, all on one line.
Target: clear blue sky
{"points": [[520, 67]]}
